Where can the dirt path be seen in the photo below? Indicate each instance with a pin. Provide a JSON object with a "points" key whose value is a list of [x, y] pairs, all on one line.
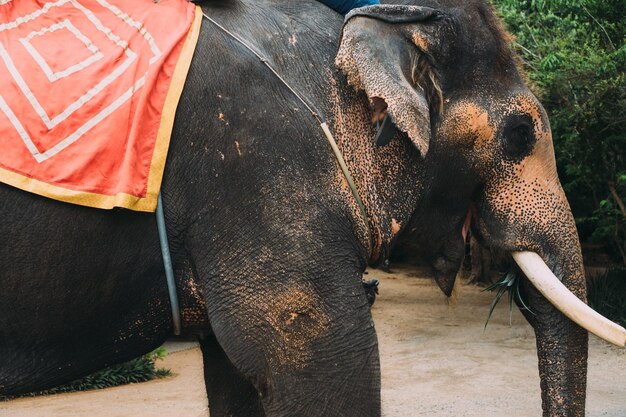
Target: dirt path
{"points": [[436, 361]]}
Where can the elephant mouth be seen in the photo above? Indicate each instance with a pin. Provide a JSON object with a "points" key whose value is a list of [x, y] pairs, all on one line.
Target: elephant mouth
{"points": [[467, 224]]}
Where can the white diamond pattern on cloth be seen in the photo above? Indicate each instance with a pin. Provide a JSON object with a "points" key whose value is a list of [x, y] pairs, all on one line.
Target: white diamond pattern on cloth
{"points": [[52, 121], [66, 24]]}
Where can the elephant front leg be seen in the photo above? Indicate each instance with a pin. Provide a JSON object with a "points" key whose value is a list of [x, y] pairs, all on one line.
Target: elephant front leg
{"points": [[229, 393], [307, 350]]}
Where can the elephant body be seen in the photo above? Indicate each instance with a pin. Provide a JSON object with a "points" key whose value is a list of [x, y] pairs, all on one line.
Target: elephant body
{"points": [[263, 233], [268, 243]]}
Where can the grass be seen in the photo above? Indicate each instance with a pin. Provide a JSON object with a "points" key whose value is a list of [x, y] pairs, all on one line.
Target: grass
{"points": [[509, 283], [139, 369]]}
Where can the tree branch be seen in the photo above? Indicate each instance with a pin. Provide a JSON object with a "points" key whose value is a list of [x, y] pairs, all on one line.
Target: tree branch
{"points": [[618, 200]]}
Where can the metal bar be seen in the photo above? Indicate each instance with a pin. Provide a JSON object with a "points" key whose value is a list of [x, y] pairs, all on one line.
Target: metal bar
{"points": [[167, 263]]}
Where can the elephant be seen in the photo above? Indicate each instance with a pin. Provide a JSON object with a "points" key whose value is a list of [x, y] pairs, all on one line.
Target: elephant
{"points": [[267, 238]]}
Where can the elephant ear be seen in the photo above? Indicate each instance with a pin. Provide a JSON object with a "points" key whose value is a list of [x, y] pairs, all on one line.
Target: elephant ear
{"points": [[375, 54]]}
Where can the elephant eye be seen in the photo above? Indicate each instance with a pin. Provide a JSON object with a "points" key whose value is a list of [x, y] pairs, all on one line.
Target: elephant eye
{"points": [[519, 138]]}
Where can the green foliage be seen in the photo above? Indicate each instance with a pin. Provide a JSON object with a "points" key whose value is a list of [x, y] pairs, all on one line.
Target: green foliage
{"points": [[607, 295], [137, 370], [509, 283], [574, 52]]}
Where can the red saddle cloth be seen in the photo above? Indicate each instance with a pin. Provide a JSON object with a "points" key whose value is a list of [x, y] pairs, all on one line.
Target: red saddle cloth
{"points": [[88, 94]]}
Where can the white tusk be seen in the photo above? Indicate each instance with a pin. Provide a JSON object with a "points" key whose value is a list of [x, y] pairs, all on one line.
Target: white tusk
{"points": [[565, 301]]}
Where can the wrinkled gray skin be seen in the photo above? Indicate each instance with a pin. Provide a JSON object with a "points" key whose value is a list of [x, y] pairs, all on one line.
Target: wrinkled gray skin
{"points": [[268, 243]]}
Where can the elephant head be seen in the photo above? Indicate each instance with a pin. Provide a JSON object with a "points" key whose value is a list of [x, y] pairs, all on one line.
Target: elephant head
{"points": [[451, 86]]}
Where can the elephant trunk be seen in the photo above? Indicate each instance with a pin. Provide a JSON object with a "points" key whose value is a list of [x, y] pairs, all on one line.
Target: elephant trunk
{"points": [[562, 354], [526, 210], [561, 343]]}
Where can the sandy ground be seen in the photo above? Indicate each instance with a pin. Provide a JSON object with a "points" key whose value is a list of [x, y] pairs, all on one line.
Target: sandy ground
{"points": [[436, 361]]}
